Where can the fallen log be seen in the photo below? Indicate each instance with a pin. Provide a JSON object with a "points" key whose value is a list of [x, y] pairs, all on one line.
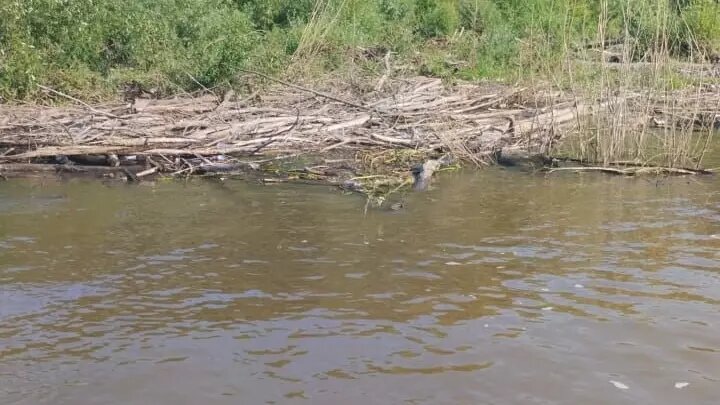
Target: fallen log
{"points": [[207, 168], [29, 168], [50, 151]]}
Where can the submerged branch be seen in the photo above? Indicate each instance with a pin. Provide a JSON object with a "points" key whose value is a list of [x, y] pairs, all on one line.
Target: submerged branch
{"points": [[631, 171]]}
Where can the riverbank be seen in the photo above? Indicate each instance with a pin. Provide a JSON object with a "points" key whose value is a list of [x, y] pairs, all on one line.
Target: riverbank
{"points": [[364, 138], [385, 127]]}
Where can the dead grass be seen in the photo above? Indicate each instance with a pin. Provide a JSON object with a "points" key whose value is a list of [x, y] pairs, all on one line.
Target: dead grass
{"points": [[660, 112]]}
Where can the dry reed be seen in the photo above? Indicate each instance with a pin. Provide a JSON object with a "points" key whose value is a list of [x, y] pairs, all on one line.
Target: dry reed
{"points": [[651, 120]]}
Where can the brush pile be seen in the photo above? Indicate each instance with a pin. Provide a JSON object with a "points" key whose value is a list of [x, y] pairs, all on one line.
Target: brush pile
{"points": [[212, 134], [422, 114]]}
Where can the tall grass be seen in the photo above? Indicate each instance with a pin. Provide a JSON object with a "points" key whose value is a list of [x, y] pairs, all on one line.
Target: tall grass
{"points": [[648, 79]]}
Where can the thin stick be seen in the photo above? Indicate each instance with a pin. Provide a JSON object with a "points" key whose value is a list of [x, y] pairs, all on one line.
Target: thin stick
{"points": [[593, 169], [217, 99], [131, 177], [180, 171], [339, 144], [383, 79], [315, 92], [147, 172], [630, 171], [84, 104]]}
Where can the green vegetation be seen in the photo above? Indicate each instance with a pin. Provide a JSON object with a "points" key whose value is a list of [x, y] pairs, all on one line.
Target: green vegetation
{"points": [[89, 47]]}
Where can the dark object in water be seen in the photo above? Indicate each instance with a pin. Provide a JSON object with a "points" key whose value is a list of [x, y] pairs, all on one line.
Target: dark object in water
{"points": [[129, 176], [89, 160], [420, 182], [422, 173], [522, 159], [62, 160], [113, 160]]}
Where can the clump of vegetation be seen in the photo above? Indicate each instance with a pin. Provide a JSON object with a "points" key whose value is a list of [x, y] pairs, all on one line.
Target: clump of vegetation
{"points": [[702, 19]]}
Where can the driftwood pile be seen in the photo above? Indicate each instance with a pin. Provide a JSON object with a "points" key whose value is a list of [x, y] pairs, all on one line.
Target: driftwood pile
{"points": [[695, 109], [468, 120], [227, 133]]}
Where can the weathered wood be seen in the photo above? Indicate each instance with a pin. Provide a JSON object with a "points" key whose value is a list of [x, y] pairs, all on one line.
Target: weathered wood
{"points": [[62, 150], [417, 113], [631, 171], [53, 168]]}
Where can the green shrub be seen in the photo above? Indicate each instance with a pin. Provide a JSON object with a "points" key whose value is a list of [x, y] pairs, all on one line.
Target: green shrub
{"points": [[90, 46], [479, 15], [21, 68], [224, 41], [703, 24], [436, 18], [397, 10], [267, 14]]}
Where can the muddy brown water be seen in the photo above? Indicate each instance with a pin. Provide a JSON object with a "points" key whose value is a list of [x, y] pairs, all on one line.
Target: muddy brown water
{"points": [[496, 287]]}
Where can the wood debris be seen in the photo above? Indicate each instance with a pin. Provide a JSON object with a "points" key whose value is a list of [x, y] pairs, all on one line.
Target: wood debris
{"points": [[419, 113]]}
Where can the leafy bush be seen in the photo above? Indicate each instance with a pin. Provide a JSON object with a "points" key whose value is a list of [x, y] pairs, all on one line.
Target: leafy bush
{"points": [[436, 18], [87, 47], [267, 14]]}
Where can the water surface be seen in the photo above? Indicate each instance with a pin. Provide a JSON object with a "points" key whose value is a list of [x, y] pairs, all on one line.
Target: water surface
{"points": [[495, 287]]}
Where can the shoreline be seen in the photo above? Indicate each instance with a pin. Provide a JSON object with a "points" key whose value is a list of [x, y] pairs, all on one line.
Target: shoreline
{"points": [[343, 134]]}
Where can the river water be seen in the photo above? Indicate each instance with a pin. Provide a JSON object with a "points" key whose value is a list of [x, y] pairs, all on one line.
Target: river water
{"points": [[496, 287]]}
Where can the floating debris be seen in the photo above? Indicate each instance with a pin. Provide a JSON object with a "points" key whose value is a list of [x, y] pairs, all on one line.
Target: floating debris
{"points": [[619, 385]]}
